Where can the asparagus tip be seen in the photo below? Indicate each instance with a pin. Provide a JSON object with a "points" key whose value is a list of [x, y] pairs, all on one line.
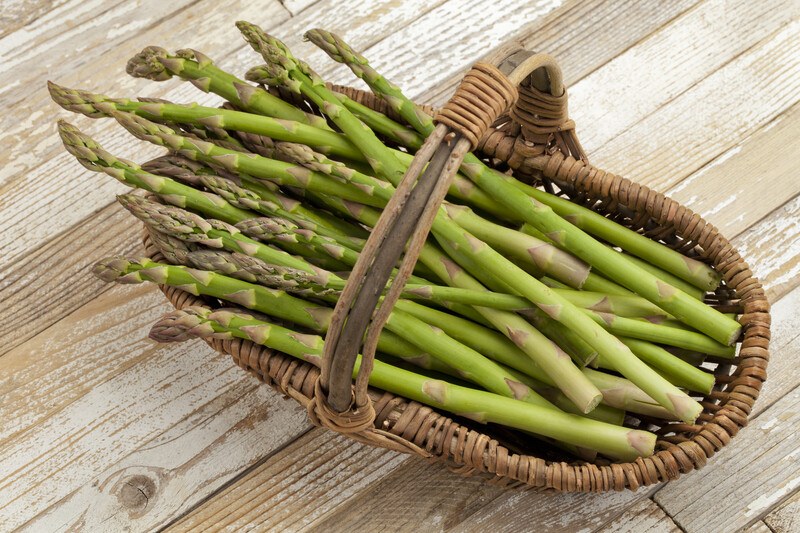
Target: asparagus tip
{"points": [[148, 64], [115, 268], [171, 328]]}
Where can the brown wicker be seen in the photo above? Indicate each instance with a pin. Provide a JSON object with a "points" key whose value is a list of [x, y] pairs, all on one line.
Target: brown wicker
{"points": [[536, 139]]}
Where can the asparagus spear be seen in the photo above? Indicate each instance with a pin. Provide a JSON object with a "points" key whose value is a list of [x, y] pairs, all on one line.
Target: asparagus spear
{"points": [[157, 64], [92, 156], [274, 302], [299, 77], [695, 272], [648, 331], [615, 441], [573, 384], [663, 275]]}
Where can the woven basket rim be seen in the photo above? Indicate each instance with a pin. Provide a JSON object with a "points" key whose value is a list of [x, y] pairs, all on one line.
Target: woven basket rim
{"points": [[467, 451]]}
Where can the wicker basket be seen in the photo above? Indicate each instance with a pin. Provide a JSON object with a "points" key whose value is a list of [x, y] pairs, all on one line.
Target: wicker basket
{"points": [[536, 140]]}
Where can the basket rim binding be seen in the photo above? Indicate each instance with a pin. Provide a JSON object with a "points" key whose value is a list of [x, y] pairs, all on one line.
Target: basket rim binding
{"points": [[411, 427]]}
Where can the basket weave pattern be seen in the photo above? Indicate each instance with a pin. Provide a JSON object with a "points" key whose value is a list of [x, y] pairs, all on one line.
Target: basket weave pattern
{"points": [[552, 155]]}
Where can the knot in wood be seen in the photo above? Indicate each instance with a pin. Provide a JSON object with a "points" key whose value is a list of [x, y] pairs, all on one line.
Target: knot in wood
{"points": [[134, 492], [354, 420], [484, 94]]}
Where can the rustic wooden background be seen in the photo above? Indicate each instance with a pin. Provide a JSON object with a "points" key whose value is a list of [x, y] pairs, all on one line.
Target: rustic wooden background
{"points": [[103, 430]]}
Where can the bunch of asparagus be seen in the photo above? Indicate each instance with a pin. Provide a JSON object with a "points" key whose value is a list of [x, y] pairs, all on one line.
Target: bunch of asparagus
{"points": [[524, 310]]}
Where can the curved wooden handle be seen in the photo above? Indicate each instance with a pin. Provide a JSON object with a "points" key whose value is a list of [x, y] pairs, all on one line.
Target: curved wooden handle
{"points": [[483, 95]]}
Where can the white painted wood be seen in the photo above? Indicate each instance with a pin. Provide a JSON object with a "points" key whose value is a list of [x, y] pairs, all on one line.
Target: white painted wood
{"points": [[760, 527], [786, 518], [772, 248], [707, 119], [723, 190], [755, 472], [19, 13], [572, 35], [296, 6], [111, 432], [670, 62], [644, 516]]}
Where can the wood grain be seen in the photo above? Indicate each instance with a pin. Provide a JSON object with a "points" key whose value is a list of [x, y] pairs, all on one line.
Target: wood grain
{"points": [[583, 36], [760, 527], [753, 473], [644, 516], [722, 190], [101, 414], [667, 64], [786, 518], [19, 13], [709, 118], [772, 248], [53, 280]]}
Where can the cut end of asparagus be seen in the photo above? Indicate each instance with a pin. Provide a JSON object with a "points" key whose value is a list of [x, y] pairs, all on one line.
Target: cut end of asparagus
{"points": [[592, 403], [148, 64], [735, 335], [685, 407], [643, 442]]}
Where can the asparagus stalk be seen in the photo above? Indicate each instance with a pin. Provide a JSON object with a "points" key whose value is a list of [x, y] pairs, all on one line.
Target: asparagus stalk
{"points": [[579, 389], [271, 170], [663, 275], [679, 372], [284, 68], [532, 209], [615, 441], [296, 130], [544, 256], [623, 394], [471, 364], [92, 156], [648, 331], [693, 271]]}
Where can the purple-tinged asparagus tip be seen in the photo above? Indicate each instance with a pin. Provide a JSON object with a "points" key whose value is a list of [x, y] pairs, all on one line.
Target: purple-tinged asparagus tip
{"points": [[148, 64]]}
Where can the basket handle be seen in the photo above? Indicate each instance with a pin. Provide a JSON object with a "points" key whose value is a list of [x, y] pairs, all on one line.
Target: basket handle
{"points": [[483, 95]]}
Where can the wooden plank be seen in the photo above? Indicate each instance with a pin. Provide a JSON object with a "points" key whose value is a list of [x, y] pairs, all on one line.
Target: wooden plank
{"points": [[580, 46], [759, 527], [722, 191], [80, 44], [19, 13], [55, 188], [786, 518], [752, 474], [296, 6], [644, 516], [709, 118], [392, 492], [56, 278], [668, 63], [772, 248], [326, 467], [112, 432]]}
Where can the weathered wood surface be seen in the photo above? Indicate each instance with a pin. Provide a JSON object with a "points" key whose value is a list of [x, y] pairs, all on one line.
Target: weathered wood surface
{"points": [[112, 433], [786, 518], [644, 516]]}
